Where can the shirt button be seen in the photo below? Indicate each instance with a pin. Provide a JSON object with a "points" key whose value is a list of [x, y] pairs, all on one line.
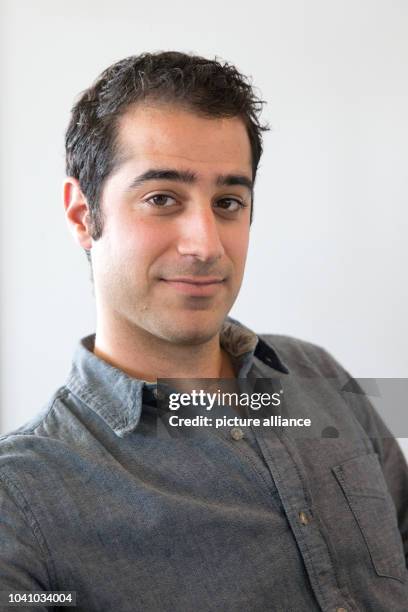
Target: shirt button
{"points": [[236, 433], [305, 520], [158, 394]]}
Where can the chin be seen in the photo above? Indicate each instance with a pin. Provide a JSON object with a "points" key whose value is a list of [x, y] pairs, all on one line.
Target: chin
{"points": [[190, 330]]}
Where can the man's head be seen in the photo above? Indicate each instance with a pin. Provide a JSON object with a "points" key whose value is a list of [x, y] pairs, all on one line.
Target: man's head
{"points": [[206, 87], [162, 153]]}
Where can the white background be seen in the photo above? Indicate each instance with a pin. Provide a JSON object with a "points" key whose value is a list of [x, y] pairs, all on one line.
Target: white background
{"points": [[328, 252]]}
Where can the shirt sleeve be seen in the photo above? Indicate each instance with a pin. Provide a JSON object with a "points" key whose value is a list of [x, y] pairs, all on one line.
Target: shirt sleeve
{"points": [[392, 459], [22, 563]]}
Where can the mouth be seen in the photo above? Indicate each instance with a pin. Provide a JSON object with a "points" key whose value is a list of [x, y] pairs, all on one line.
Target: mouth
{"points": [[195, 286]]}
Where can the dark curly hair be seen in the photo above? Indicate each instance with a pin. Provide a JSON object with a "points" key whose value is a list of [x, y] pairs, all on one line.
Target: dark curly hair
{"points": [[208, 87]]}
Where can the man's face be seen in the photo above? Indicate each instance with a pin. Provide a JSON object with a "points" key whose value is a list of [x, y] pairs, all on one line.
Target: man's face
{"points": [[185, 225]]}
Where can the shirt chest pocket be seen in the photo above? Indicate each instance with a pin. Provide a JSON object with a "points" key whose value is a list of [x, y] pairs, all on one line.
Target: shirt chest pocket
{"points": [[365, 490]]}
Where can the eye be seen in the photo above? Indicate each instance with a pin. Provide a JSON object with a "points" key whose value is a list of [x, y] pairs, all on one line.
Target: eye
{"points": [[160, 200], [231, 204]]}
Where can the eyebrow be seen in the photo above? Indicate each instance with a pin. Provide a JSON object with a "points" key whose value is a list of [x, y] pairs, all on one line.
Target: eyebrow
{"points": [[186, 176]]}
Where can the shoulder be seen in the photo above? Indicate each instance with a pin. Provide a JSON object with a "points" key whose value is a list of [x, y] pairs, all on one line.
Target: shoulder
{"points": [[24, 448], [37, 425], [304, 358]]}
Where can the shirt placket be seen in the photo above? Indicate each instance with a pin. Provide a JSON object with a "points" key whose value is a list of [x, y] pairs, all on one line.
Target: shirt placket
{"points": [[285, 468]]}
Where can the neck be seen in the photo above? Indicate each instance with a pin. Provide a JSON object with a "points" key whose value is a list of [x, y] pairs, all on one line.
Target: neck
{"points": [[147, 357]]}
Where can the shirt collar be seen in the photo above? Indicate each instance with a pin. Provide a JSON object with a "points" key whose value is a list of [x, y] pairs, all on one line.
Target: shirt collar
{"points": [[118, 398]]}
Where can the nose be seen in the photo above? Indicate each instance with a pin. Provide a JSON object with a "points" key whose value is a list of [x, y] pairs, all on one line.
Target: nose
{"points": [[200, 235]]}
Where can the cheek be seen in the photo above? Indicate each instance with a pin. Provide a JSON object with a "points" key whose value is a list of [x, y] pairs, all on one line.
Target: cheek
{"points": [[237, 248], [140, 245]]}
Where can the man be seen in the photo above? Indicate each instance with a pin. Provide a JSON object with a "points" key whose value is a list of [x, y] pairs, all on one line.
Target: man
{"points": [[101, 494]]}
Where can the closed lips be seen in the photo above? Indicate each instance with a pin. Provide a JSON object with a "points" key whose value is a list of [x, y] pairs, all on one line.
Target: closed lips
{"points": [[195, 281]]}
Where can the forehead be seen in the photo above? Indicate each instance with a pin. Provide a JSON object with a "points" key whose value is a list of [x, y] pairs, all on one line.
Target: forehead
{"points": [[162, 133]]}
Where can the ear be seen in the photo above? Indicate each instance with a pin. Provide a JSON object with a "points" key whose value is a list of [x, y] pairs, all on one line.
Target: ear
{"points": [[77, 212]]}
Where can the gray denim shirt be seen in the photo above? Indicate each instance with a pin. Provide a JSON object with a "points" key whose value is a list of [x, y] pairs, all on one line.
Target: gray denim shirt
{"points": [[98, 496]]}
